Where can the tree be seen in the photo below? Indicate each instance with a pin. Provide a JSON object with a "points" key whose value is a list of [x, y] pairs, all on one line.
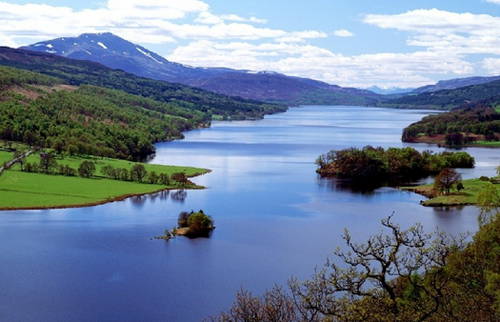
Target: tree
{"points": [[446, 179], [153, 177], [199, 224], [138, 172], [164, 179], [179, 177], [403, 275], [47, 162], [86, 169]]}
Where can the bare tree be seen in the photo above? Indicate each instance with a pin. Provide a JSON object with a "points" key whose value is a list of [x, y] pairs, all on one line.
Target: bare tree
{"points": [[446, 179]]}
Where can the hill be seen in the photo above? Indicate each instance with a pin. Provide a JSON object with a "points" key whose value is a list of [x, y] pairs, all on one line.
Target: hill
{"points": [[456, 83], [80, 72], [462, 127], [448, 99], [43, 111], [115, 52]]}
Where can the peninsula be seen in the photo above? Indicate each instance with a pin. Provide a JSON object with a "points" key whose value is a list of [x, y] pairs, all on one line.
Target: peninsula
{"points": [[61, 187]]}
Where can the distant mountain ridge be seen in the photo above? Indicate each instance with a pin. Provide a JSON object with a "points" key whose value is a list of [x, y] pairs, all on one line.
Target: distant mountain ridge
{"points": [[115, 52], [456, 83]]}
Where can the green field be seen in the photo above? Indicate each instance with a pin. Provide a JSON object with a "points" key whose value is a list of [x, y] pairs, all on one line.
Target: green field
{"points": [[467, 196], [22, 190]]}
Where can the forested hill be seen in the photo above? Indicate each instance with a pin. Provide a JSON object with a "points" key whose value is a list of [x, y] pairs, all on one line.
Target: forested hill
{"points": [[449, 99], [43, 111], [78, 72]]}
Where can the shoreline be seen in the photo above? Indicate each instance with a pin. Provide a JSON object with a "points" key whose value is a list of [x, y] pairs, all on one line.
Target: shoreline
{"points": [[99, 203], [466, 197]]}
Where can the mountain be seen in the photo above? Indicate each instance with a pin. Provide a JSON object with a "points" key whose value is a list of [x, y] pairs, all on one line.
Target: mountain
{"points": [[456, 83], [390, 90], [83, 72], [487, 94], [115, 52]]}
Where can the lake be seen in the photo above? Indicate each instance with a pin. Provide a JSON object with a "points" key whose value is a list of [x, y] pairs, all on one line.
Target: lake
{"points": [[275, 219]]}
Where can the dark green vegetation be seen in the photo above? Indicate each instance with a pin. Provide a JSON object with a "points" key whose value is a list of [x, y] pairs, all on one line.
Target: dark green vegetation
{"points": [[38, 111], [78, 72], [470, 96], [370, 161], [456, 128], [397, 276], [195, 224]]}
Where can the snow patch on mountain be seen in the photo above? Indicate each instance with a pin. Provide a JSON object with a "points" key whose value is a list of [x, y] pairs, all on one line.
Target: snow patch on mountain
{"points": [[148, 55], [102, 45]]}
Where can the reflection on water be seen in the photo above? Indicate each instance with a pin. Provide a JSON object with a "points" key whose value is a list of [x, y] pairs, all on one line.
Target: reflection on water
{"points": [[275, 218], [367, 185]]}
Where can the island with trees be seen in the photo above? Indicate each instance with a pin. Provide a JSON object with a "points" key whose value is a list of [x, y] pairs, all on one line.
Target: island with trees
{"points": [[191, 224], [379, 162]]}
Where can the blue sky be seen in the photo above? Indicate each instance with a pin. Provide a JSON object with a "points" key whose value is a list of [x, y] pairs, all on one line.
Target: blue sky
{"points": [[356, 43]]}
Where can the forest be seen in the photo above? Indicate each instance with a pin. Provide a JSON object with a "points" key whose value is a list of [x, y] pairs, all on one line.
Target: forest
{"points": [[37, 110], [373, 162]]}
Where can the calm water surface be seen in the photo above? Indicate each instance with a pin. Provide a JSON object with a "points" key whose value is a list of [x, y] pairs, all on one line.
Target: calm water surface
{"points": [[275, 219]]}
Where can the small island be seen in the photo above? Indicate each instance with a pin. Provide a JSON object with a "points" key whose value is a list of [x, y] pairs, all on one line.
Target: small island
{"points": [[192, 225]]}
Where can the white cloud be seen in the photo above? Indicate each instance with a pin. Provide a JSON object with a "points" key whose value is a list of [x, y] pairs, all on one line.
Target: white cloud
{"points": [[303, 60], [145, 21], [493, 1], [343, 33], [444, 31], [492, 65], [202, 38]]}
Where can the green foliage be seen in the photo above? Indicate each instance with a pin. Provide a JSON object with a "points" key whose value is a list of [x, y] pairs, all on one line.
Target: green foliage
{"points": [[138, 172], [47, 162], [460, 127], [86, 169], [192, 100], [198, 223], [370, 161]]}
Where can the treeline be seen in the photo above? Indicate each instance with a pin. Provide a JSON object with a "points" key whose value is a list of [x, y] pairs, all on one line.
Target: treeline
{"points": [[87, 169], [370, 161], [461, 127], [89, 120], [78, 72]]}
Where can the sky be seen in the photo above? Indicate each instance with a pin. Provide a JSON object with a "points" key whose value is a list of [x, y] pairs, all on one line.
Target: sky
{"points": [[351, 43]]}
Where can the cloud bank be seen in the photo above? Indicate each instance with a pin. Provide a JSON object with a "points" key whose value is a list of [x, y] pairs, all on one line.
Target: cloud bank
{"points": [[440, 42]]}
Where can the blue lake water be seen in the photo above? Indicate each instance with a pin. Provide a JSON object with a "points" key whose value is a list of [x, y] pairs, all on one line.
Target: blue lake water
{"points": [[275, 219]]}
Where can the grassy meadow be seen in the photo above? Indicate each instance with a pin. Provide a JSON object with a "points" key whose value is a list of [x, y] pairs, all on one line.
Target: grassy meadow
{"points": [[23, 190], [467, 196]]}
